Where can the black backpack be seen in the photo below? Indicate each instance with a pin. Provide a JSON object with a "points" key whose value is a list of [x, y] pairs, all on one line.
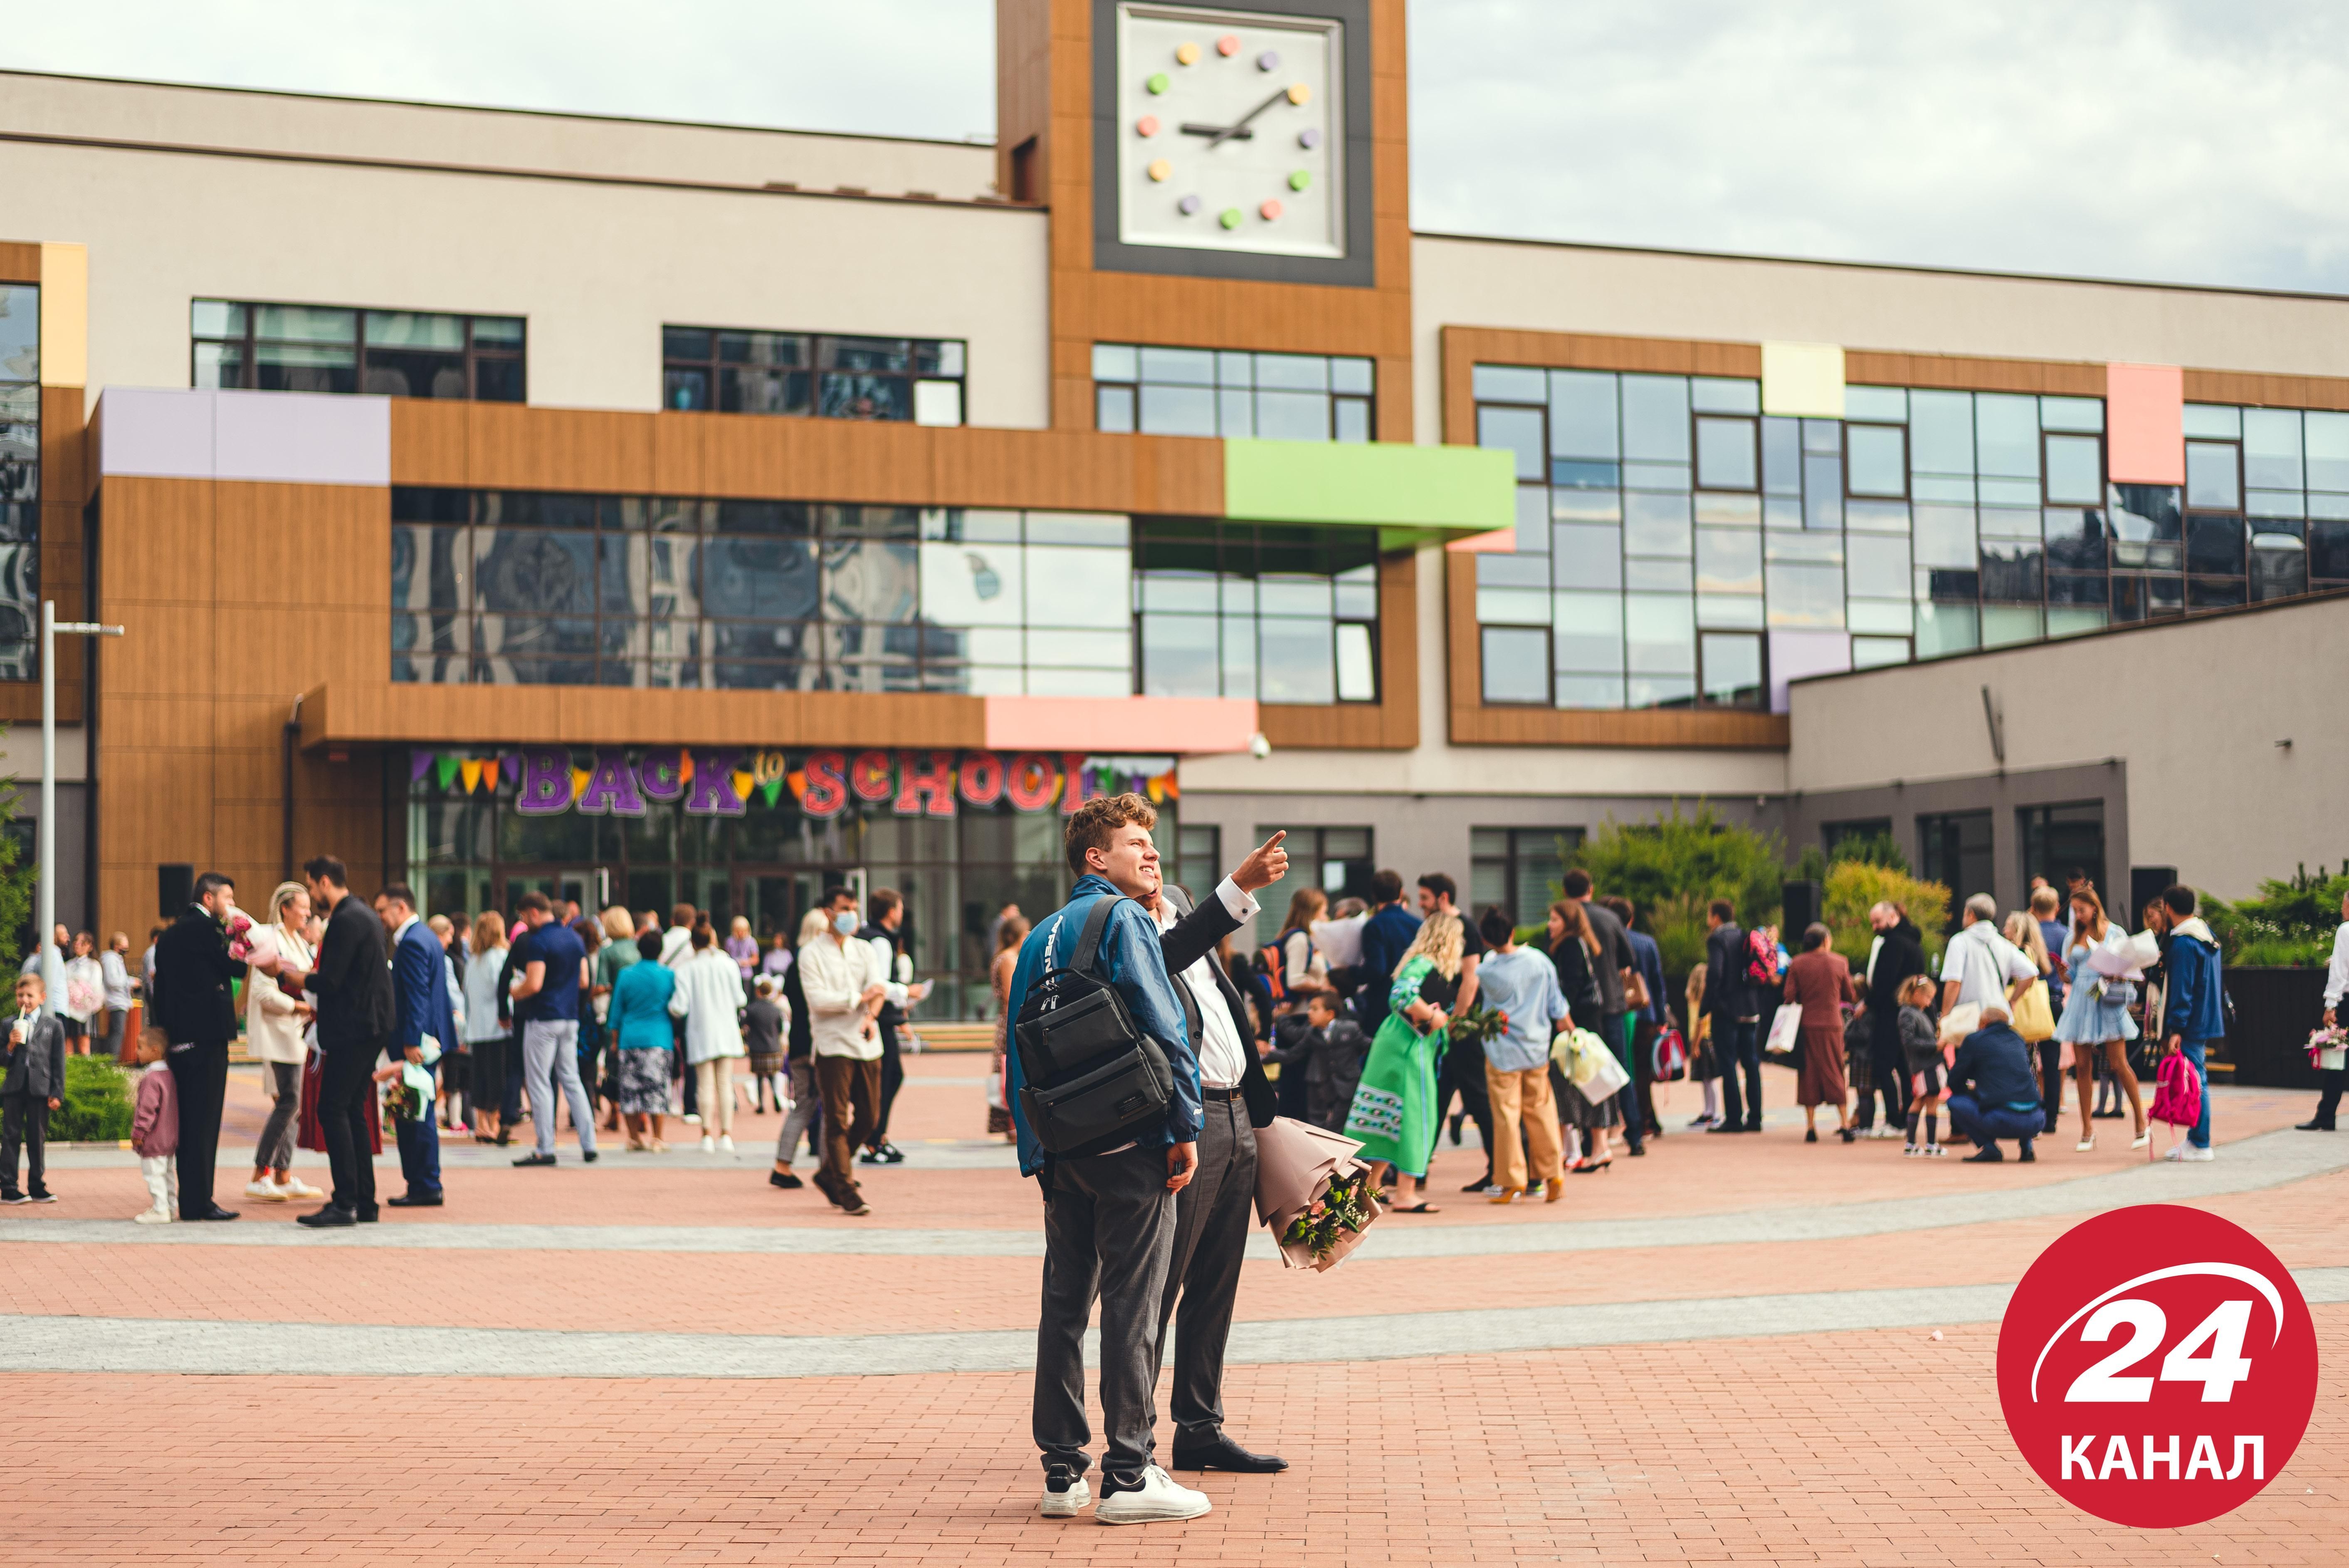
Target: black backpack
{"points": [[1092, 1077]]}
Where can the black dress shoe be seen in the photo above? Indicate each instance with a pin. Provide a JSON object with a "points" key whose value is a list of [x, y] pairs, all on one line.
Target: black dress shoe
{"points": [[328, 1217], [2313, 1127], [217, 1214], [535, 1160], [1224, 1454], [368, 1214], [783, 1179], [415, 1201]]}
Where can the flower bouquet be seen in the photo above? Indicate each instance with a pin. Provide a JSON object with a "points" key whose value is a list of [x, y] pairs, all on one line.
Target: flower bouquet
{"points": [[2328, 1048], [1311, 1192], [404, 1098], [1478, 1025]]}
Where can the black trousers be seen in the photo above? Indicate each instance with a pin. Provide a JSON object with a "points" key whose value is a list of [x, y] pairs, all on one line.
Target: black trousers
{"points": [[1212, 1218], [2050, 1083], [893, 1078], [1735, 1046], [343, 1088], [2327, 1104], [1889, 1069], [25, 1124], [1463, 1069], [199, 1073], [1643, 1070]]}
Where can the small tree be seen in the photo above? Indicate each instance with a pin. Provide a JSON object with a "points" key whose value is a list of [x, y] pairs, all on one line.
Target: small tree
{"points": [[1678, 857], [1854, 887], [17, 878]]}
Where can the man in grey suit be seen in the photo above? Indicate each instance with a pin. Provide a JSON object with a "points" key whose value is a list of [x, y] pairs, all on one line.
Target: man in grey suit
{"points": [[1212, 1214]]}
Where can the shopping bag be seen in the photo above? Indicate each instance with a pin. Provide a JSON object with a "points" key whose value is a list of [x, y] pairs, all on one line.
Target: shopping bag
{"points": [[1584, 1060], [2034, 1016], [1785, 1032], [1958, 1022]]}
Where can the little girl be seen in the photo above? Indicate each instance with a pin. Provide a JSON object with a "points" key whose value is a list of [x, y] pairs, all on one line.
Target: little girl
{"points": [[1703, 1066], [1921, 1048], [155, 1132]]}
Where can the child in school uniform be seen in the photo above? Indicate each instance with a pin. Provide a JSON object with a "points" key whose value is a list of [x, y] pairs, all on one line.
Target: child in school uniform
{"points": [[155, 1132], [1920, 1049], [33, 1047]]}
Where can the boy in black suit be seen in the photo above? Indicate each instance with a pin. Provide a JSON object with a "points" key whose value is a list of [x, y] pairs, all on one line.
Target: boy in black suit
{"points": [[35, 1085]]}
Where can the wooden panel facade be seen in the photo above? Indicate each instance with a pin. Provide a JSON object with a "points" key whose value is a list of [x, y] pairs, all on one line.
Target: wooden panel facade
{"points": [[19, 262], [2267, 391], [348, 714], [1969, 373]]}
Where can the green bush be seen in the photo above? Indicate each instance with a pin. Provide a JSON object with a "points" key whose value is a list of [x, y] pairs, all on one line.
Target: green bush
{"points": [[1856, 886], [97, 1108], [1677, 856], [1871, 848], [2288, 923]]}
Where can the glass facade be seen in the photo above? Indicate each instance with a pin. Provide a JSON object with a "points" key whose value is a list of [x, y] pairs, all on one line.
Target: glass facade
{"points": [[515, 588], [1668, 531], [728, 371], [1520, 869], [1235, 609], [1213, 392], [337, 348], [20, 481]]}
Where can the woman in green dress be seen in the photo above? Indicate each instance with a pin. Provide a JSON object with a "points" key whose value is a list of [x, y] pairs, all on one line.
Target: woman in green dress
{"points": [[1393, 1114]]}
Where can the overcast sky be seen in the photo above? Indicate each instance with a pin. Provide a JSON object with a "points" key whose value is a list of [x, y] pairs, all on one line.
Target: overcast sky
{"points": [[2189, 141]]}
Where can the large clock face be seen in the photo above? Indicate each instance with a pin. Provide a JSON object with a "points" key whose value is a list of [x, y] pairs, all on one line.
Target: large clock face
{"points": [[1230, 131]]}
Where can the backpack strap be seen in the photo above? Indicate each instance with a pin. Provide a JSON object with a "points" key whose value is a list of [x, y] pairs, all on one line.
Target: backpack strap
{"points": [[1096, 922]]}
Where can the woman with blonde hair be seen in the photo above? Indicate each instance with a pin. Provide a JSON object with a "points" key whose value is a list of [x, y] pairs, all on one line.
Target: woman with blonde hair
{"points": [[708, 997], [274, 1023], [486, 1036], [1393, 1113], [2023, 930], [618, 952]]}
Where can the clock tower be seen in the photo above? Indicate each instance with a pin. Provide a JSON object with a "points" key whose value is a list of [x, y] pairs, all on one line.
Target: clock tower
{"points": [[1233, 176]]}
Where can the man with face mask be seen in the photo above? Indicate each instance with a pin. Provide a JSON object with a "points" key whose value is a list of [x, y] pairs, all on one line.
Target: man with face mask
{"points": [[846, 982]]}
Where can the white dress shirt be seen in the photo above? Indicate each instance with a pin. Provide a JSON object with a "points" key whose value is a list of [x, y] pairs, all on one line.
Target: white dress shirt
{"points": [[833, 974], [1223, 1059], [2336, 974]]}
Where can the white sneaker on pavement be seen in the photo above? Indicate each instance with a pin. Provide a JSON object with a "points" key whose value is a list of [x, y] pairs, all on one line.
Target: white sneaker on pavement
{"points": [[1072, 1493], [294, 1187], [1160, 1498], [726, 1143], [267, 1192], [708, 1144], [152, 1217], [2174, 1153], [2200, 1151]]}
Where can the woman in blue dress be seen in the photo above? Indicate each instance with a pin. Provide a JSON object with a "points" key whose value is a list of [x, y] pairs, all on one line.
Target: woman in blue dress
{"points": [[2096, 1013]]}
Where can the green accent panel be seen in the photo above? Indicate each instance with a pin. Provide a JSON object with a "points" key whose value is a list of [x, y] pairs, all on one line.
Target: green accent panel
{"points": [[1407, 492]]}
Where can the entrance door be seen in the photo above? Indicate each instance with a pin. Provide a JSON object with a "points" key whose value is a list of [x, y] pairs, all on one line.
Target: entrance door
{"points": [[775, 901], [578, 886]]}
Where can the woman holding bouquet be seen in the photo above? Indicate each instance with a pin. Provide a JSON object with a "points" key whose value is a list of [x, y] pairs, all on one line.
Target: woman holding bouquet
{"points": [[2095, 1018], [1393, 1114]]}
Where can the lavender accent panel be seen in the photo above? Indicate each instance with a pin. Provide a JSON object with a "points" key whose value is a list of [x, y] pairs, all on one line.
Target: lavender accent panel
{"points": [[154, 433], [302, 437], [1794, 654]]}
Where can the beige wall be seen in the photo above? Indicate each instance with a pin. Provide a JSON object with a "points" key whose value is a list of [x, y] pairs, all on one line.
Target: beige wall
{"points": [[484, 138], [2194, 707], [1659, 294], [598, 268]]}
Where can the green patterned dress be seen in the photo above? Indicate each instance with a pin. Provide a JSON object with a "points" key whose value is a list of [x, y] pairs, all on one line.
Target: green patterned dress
{"points": [[1393, 1113]]}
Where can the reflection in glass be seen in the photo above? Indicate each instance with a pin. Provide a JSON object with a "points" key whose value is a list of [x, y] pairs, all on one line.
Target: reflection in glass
{"points": [[1879, 459], [1515, 663], [1725, 457], [1656, 417], [1732, 668]]}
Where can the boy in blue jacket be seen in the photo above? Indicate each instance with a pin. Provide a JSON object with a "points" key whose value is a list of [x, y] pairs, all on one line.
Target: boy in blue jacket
{"points": [[2195, 1011]]}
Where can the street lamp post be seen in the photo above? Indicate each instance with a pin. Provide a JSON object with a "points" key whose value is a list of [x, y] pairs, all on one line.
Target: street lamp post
{"points": [[53, 968]]}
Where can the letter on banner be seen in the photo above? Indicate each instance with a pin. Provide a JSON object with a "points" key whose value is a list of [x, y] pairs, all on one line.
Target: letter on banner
{"points": [[661, 774], [611, 786], [1073, 766], [2116, 1457], [980, 778], [827, 784], [2195, 1466], [869, 776], [545, 787], [2258, 1445], [2168, 1455], [1031, 783], [711, 792], [2079, 1456], [932, 782]]}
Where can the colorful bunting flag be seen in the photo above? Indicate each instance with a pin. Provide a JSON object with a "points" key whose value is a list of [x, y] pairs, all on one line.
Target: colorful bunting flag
{"points": [[579, 778], [771, 789], [446, 767], [470, 771], [744, 783], [490, 773]]}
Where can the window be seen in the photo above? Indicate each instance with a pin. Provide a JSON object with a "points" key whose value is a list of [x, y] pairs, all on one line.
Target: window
{"points": [[339, 349], [1520, 869], [2060, 842], [1837, 834], [1217, 392], [20, 482], [917, 380], [1335, 860], [1955, 850], [516, 588], [1280, 614], [1196, 864], [1517, 664]]}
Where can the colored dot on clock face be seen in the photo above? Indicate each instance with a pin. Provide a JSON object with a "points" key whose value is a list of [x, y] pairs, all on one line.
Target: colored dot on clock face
{"points": [[1309, 138], [1161, 169], [1157, 83], [1267, 61], [1186, 54], [1146, 126], [1270, 210], [1230, 218], [1188, 205], [1300, 180], [1298, 92], [1228, 44]]}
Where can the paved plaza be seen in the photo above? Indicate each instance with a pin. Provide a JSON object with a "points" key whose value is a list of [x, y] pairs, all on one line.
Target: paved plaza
{"points": [[1718, 1353]]}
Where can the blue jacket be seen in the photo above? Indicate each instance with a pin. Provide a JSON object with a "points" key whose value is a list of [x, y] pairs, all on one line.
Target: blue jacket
{"points": [[1128, 960], [419, 988], [2196, 1009], [1385, 936], [1651, 970], [1994, 1065]]}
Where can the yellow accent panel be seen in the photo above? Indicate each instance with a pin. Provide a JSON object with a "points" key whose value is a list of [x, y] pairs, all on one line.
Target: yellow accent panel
{"points": [[65, 315], [1803, 378]]}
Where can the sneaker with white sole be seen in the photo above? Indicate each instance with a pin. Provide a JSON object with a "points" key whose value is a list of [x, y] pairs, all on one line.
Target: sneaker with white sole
{"points": [[726, 1143], [1064, 1495], [1159, 1498], [297, 1190], [2200, 1151], [708, 1144], [267, 1192], [2174, 1153], [152, 1217]]}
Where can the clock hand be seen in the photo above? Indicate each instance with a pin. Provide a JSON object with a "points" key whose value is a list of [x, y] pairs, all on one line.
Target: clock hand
{"points": [[1234, 130], [1219, 133]]}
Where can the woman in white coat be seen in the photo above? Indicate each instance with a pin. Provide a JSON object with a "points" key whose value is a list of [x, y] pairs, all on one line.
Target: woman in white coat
{"points": [[274, 1023], [710, 999]]}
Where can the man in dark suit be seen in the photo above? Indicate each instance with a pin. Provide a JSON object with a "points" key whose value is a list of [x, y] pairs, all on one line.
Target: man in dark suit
{"points": [[425, 1025], [195, 1005], [1212, 1214], [352, 989]]}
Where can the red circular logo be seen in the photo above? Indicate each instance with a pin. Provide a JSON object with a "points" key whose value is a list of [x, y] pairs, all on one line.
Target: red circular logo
{"points": [[2157, 1366]]}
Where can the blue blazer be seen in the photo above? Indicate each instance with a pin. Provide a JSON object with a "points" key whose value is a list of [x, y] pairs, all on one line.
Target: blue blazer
{"points": [[1130, 960], [420, 987]]}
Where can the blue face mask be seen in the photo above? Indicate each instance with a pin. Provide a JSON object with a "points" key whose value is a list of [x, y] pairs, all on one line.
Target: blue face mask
{"points": [[844, 922]]}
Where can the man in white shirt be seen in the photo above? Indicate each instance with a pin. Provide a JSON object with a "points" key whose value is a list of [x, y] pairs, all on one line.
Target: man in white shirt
{"points": [[2336, 985], [1983, 967], [845, 982], [1212, 1213]]}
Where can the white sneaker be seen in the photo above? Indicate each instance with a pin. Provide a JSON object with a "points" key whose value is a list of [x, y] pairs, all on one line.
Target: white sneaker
{"points": [[693, 1119], [267, 1192], [1065, 1503], [2194, 1152], [296, 1188], [152, 1217], [708, 1144], [1161, 1498], [726, 1143], [2174, 1153]]}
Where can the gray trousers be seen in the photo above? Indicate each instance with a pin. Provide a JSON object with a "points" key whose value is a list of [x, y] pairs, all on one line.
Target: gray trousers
{"points": [[550, 1062], [276, 1149], [1211, 1230], [1109, 1231], [807, 1102]]}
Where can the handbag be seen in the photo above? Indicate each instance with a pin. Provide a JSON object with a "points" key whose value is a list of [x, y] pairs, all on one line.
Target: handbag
{"points": [[1958, 1022], [2034, 1015], [1785, 1032], [1585, 1062]]}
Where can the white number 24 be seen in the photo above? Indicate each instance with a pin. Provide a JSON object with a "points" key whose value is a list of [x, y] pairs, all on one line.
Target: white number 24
{"points": [[2218, 1371]]}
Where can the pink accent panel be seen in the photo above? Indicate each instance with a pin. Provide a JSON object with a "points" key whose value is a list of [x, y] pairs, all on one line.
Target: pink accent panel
{"points": [[2144, 414], [1500, 541], [1186, 725], [1795, 655]]}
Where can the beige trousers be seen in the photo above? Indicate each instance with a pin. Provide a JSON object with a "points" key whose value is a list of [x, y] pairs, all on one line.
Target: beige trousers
{"points": [[713, 1091], [1523, 1097]]}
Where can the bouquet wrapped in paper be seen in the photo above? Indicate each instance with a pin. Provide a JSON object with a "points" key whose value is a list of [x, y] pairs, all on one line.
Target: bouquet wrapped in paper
{"points": [[2328, 1047], [1311, 1192]]}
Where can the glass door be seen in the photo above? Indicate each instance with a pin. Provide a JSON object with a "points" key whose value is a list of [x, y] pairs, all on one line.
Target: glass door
{"points": [[577, 887]]}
